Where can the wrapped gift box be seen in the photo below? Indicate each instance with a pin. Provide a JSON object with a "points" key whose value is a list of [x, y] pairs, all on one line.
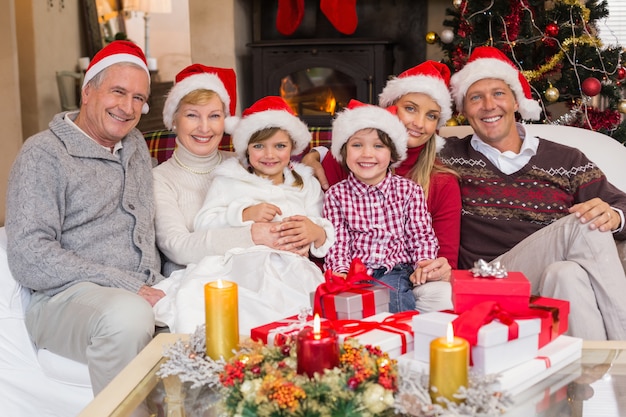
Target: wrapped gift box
{"points": [[511, 292], [280, 332], [534, 384], [493, 352], [391, 332], [555, 321], [355, 304], [550, 359]]}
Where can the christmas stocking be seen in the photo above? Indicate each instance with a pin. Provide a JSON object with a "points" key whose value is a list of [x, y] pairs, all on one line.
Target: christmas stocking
{"points": [[341, 13], [289, 15]]}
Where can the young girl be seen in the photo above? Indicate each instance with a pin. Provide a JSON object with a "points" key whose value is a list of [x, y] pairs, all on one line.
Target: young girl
{"points": [[421, 95], [262, 186], [379, 217]]}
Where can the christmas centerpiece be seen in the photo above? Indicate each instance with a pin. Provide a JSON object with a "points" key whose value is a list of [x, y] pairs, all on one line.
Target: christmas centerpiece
{"points": [[262, 380]]}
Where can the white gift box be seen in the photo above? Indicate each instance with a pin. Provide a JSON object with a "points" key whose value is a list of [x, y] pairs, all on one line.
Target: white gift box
{"points": [[493, 352], [389, 339], [533, 383], [550, 359]]}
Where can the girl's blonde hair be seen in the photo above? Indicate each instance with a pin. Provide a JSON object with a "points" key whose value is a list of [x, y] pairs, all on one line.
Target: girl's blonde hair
{"points": [[427, 166], [264, 134]]}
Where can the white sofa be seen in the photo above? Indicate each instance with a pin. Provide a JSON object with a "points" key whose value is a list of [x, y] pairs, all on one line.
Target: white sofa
{"points": [[33, 383], [39, 383]]}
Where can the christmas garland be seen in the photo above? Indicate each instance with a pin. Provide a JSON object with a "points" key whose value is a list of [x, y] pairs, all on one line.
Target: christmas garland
{"points": [[262, 381]]}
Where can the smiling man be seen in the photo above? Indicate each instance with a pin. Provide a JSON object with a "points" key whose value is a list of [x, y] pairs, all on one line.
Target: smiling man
{"points": [[79, 222], [534, 205]]}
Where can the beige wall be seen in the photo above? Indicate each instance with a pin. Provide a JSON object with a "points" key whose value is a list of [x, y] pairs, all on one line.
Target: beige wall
{"points": [[10, 118]]}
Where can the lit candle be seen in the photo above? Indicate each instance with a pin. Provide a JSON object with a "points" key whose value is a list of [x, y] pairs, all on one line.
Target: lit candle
{"points": [[222, 318], [449, 363], [317, 349]]}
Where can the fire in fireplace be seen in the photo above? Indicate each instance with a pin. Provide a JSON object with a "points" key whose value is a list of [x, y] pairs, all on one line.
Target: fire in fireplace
{"points": [[319, 77]]}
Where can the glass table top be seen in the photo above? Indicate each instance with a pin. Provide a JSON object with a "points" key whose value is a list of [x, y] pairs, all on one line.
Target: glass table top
{"points": [[593, 386]]}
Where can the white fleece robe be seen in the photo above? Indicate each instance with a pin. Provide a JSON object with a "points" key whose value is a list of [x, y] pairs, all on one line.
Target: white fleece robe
{"points": [[272, 284]]}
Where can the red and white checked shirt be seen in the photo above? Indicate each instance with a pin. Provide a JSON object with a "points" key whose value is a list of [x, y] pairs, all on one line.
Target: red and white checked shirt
{"points": [[383, 225]]}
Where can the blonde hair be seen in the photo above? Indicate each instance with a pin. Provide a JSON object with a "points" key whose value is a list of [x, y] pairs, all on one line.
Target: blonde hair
{"points": [[198, 97], [264, 134], [427, 166]]}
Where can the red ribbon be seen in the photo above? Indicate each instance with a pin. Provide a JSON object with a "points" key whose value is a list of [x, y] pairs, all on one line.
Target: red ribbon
{"points": [[468, 323], [546, 360], [395, 323], [355, 281]]}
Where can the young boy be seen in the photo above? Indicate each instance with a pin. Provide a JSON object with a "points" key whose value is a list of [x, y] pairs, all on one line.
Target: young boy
{"points": [[378, 216]]}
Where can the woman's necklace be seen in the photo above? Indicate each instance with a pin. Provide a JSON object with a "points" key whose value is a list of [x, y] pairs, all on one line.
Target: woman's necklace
{"points": [[193, 171]]}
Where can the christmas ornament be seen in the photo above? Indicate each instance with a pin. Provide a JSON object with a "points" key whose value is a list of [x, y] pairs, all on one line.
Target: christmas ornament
{"points": [[621, 73], [621, 106], [552, 29], [457, 3], [452, 122], [552, 94], [447, 36], [591, 86], [431, 37]]}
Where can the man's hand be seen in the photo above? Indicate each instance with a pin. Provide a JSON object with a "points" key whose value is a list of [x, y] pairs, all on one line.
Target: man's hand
{"points": [[597, 213], [262, 212], [431, 270], [151, 295], [312, 159], [264, 234]]}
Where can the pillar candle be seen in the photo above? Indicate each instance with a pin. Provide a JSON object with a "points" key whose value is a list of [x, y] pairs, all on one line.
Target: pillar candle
{"points": [[222, 318], [317, 349], [449, 363]]}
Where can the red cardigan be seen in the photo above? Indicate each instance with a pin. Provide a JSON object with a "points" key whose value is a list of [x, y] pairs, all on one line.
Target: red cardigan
{"points": [[444, 201]]}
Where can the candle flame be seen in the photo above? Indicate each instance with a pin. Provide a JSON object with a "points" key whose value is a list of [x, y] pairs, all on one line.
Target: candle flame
{"points": [[220, 284], [450, 334], [317, 326]]}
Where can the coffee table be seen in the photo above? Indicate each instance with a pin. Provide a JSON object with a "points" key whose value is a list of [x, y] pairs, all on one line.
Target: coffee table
{"points": [[594, 386]]}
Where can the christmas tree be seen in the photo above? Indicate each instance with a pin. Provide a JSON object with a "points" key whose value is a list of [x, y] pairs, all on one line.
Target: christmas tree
{"points": [[556, 45]]}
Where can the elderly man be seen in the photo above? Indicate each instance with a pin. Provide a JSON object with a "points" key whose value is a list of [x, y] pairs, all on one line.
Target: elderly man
{"points": [[534, 205], [79, 221]]}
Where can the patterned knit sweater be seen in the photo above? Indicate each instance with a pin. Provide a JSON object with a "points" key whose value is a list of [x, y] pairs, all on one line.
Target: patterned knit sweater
{"points": [[500, 210]]}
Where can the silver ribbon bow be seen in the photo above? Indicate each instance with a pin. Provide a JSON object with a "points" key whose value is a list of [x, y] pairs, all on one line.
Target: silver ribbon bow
{"points": [[484, 269]]}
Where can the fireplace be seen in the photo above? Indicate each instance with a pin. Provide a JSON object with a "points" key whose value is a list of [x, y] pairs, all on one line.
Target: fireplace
{"points": [[319, 77], [318, 70]]}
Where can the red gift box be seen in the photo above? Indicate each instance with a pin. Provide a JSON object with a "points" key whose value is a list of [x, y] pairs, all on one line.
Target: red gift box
{"points": [[511, 292], [555, 321], [280, 332]]}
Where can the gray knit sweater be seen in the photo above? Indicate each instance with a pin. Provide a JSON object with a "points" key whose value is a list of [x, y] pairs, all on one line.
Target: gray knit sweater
{"points": [[76, 213]]}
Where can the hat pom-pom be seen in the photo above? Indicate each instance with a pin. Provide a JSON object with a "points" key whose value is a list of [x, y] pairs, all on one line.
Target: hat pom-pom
{"points": [[230, 124]]}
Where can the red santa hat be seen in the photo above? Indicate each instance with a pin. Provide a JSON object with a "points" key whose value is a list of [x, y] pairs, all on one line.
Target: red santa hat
{"points": [[359, 116], [114, 53], [489, 62], [431, 78], [270, 111], [222, 81]]}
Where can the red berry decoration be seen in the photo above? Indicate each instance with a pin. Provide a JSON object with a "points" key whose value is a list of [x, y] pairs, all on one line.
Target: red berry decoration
{"points": [[552, 29], [621, 73], [591, 86]]}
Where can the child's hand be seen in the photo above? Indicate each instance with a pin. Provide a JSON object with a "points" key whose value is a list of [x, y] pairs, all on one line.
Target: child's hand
{"points": [[262, 212], [431, 270], [300, 232]]}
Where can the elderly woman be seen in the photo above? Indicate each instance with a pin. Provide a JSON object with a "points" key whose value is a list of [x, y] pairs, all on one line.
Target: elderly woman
{"points": [[199, 108]]}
